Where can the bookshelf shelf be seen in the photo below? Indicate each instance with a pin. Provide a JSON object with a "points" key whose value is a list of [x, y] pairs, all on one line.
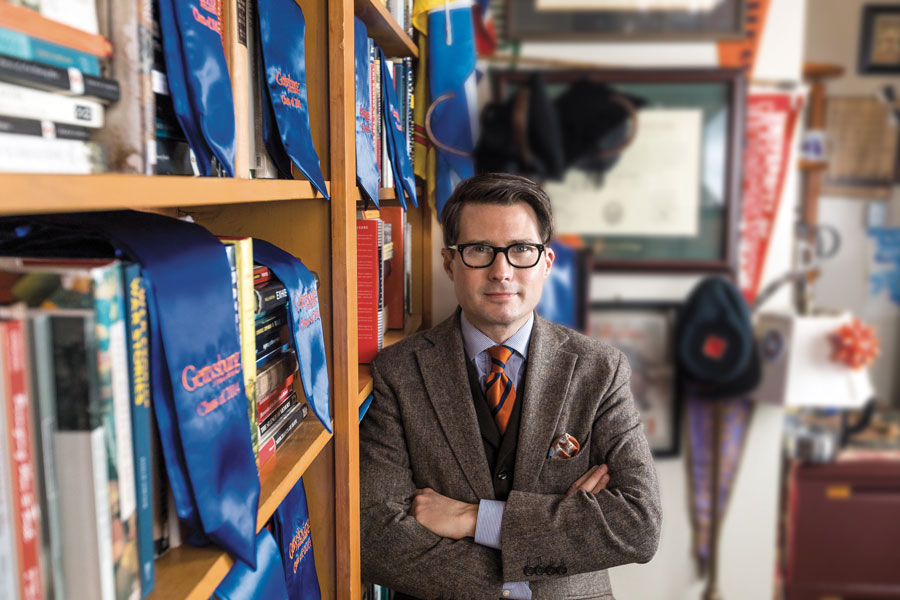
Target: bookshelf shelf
{"points": [[365, 382], [194, 573], [23, 193], [413, 324], [384, 29]]}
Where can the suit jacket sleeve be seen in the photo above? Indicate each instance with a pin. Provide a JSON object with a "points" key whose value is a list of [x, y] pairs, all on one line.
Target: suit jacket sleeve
{"points": [[396, 550], [589, 532]]}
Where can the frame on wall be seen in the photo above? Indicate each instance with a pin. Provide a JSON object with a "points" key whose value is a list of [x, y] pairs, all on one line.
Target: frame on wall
{"points": [[526, 21], [879, 39], [715, 100], [645, 333]]}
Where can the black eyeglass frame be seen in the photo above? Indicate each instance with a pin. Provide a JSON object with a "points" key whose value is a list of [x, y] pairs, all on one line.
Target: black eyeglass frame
{"points": [[497, 249]]}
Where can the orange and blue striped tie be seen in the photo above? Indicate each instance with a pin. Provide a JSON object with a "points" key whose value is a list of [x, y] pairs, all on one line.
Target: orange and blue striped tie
{"points": [[499, 390]]}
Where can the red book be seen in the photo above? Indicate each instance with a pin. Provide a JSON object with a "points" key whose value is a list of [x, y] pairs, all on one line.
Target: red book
{"points": [[393, 283], [261, 275], [369, 284], [275, 397], [21, 459]]}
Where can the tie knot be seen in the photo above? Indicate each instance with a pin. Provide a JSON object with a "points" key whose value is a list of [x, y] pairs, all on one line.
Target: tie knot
{"points": [[499, 356]]}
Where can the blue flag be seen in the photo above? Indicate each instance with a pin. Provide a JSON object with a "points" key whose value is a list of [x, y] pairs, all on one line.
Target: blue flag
{"points": [[266, 581], [294, 537], [366, 164], [396, 140]]}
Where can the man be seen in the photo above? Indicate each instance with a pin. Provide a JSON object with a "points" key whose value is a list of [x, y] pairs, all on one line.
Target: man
{"points": [[459, 495]]}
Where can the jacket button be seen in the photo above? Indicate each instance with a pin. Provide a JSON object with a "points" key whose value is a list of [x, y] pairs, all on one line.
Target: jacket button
{"points": [[528, 571], [539, 570], [562, 570], [502, 475], [550, 571], [506, 593]]}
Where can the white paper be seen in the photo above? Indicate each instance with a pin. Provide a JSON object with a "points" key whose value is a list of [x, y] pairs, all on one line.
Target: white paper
{"points": [[654, 189]]}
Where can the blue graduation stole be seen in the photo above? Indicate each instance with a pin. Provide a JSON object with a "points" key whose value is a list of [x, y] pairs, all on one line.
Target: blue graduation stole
{"points": [[366, 165], [305, 323], [178, 89], [292, 532], [197, 379], [281, 34], [206, 76], [266, 581], [396, 140]]}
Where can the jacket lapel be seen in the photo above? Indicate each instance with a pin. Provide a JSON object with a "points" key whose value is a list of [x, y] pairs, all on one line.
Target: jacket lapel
{"points": [[443, 368], [546, 386]]}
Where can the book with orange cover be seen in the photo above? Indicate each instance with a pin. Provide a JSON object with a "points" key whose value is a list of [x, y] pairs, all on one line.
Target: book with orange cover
{"points": [[32, 23]]}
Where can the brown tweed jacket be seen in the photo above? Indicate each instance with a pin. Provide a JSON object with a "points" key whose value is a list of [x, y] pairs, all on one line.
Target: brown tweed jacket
{"points": [[421, 431]]}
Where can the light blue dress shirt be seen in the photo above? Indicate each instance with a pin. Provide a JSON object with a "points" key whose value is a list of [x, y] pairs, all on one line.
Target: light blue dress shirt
{"points": [[490, 512]]}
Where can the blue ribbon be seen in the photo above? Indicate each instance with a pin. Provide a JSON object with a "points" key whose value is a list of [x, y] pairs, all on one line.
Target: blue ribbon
{"points": [[206, 75], [294, 537], [366, 164], [305, 322], [393, 131], [171, 42], [281, 35], [267, 581], [197, 381]]}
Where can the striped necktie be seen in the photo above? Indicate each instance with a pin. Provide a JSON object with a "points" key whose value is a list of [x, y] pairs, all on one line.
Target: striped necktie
{"points": [[499, 390]]}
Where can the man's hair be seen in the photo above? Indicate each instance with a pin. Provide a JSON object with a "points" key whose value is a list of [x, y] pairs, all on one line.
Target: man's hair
{"points": [[496, 188]]}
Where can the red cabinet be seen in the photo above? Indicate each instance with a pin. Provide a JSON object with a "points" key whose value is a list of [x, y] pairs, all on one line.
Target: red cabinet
{"points": [[844, 531]]}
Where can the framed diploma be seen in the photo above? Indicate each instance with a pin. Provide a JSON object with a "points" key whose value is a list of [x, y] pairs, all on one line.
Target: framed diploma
{"points": [[670, 199]]}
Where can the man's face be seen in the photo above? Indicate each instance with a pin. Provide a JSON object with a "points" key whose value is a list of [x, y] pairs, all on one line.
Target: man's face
{"points": [[497, 299]]}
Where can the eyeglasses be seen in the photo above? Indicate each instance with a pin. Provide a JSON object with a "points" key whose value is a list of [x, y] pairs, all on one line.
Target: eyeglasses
{"points": [[479, 256]]}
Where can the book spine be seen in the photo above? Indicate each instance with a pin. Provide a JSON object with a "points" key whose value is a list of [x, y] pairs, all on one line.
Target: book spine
{"points": [[393, 283], [69, 82], [295, 418], [236, 54], [270, 297], [115, 396], [8, 565], [30, 154], [80, 14], [19, 45], [34, 24], [145, 75], [22, 466], [81, 460], [45, 129], [261, 275], [367, 288], [262, 164], [271, 322], [273, 375], [139, 370], [173, 157], [44, 392], [275, 397], [18, 101], [274, 338], [286, 405]]}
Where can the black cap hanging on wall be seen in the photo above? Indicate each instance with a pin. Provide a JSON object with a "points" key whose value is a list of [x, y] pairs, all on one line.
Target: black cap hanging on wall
{"points": [[715, 348]]}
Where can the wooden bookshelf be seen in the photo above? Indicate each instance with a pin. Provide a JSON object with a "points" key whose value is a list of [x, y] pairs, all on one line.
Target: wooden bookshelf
{"points": [[60, 193], [365, 383], [194, 573], [384, 29]]}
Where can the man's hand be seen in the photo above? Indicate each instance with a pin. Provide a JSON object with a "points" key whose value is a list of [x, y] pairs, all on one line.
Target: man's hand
{"points": [[593, 481], [444, 516]]}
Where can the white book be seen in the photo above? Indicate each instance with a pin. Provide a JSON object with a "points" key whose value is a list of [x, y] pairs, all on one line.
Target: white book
{"points": [[27, 103], [121, 388], [87, 529], [80, 14], [31, 154], [9, 576]]}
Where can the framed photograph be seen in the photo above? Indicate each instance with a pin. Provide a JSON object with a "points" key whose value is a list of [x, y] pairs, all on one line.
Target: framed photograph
{"points": [[670, 200], [644, 332], [879, 40], [625, 19]]}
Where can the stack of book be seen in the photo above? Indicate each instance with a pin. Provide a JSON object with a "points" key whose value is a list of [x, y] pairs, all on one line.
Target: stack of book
{"points": [[85, 506], [55, 87], [280, 409], [371, 323]]}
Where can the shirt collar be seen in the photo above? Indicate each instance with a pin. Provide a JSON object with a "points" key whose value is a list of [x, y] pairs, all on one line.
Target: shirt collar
{"points": [[477, 342]]}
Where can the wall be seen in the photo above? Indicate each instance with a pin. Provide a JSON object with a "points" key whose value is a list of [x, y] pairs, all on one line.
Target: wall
{"points": [[832, 36], [747, 557]]}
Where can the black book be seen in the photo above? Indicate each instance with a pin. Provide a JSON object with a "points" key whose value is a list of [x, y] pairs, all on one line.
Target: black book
{"points": [[270, 297], [70, 82], [173, 157], [46, 129], [286, 406]]}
